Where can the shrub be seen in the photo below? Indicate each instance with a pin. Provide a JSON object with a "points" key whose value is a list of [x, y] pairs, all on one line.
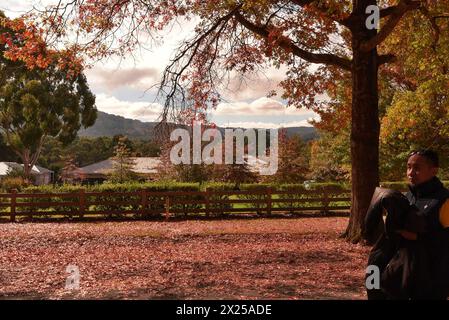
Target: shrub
{"points": [[10, 183], [128, 202]]}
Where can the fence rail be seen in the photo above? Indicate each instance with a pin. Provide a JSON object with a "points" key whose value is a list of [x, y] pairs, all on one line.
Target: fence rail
{"points": [[145, 203]]}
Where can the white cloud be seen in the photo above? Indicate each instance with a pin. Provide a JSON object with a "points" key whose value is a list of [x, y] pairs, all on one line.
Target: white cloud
{"points": [[143, 111], [135, 78], [254, 86], [269, 125], [263, 106]]}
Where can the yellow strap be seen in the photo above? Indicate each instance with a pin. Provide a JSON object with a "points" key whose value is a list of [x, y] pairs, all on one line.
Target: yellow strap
{"points": [[444, 214]]}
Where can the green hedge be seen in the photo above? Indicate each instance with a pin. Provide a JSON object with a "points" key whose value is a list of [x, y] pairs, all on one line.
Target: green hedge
{"points": [[108, 200], [177, 186]]}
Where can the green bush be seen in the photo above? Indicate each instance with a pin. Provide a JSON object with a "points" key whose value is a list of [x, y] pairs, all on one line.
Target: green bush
{"points": [[10, 183], [110, 206], [131, 203], [69, 210]]}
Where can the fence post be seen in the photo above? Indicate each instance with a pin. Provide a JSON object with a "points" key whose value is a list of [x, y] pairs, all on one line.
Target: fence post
{"points": [[325, 200], [269, 192], [167, 207], [206, 195], [82, 198], [143, 201], [13, 205]]}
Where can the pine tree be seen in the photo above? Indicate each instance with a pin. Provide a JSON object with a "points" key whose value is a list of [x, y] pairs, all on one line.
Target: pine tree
{"points": [[123, 163], [69, 173]]}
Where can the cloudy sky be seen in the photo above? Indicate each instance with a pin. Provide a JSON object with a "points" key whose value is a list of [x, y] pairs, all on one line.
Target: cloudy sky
{"points": [[121, 86]]}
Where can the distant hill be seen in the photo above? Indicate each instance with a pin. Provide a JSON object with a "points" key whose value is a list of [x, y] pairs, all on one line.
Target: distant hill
{"points": [[110, 125], [306, 133]]}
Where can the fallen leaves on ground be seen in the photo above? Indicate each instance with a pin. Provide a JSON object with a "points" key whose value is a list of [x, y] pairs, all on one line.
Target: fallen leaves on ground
{"points": [[230, 259]]}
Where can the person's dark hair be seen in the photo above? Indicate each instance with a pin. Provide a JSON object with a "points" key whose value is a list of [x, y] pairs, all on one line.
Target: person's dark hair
{"points": [[430, 155]]}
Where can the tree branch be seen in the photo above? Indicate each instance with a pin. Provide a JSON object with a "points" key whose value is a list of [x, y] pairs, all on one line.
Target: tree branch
{"points": [[287, 44], [321, 7], [387, 11], [396, 14], [172, 76], [436, 35], [386, 58], [37, 153]]}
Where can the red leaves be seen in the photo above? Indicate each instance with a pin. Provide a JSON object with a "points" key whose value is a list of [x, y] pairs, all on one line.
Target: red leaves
{"points": [[25, 42], [237, 259]]}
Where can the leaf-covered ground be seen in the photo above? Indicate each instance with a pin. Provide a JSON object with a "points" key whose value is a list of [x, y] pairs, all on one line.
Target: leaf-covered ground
{"points": [[229, 259]]}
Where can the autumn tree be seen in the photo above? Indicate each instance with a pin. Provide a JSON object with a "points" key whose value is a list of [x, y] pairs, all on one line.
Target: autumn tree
{"points": [[419, 114], [69, 173], [293, 160], [38, 97], [182, 172], [330, 157], [316, 40], [123, 163], [236, 173]]}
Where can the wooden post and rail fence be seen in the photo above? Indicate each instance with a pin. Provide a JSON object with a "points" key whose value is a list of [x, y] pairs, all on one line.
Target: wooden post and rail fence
{"points": [[144, 203]]}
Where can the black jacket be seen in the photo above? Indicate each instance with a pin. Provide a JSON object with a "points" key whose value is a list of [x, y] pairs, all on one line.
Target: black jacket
{"points": [[410, 269], [428, 199]]}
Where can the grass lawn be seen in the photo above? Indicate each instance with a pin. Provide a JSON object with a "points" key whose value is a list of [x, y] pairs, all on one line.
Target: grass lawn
{"points": [[300, 258]]}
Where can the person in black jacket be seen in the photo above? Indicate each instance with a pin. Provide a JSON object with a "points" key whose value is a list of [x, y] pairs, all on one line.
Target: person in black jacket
{"points": [[413, 252]]}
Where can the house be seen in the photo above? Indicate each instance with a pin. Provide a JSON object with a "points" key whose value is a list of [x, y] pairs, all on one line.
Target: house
{"points": [[146, 167], [40, 174]]}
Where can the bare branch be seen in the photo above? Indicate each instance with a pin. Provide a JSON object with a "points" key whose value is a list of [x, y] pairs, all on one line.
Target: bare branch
{"points": [[288, 45], [171, 77]]}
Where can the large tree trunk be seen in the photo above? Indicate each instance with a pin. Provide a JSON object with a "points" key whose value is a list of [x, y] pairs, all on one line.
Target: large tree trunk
{"points": [[365, 125]]}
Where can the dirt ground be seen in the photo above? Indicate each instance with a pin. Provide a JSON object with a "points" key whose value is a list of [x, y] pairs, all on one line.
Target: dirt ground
{"points": [[299, 258]]}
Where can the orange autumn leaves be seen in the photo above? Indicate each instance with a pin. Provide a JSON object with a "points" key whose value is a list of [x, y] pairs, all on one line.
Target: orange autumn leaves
{"points": [[23, 41]]}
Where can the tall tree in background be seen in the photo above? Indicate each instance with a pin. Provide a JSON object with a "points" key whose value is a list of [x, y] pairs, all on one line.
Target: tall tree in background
{"points": [[293, 160], [123, 163], [419, 113], [181, 172], [69, 173], [236, 173], [38, 97], [242, 36]]}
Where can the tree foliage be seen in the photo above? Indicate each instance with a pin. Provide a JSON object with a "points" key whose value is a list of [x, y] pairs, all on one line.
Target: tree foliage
{"points": [[38, 99], [293, 160], [123, 163]]}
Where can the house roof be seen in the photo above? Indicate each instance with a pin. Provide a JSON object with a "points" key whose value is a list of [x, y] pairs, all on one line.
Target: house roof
{"points": [[148, 165], [5, 167], [144, 165]]}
